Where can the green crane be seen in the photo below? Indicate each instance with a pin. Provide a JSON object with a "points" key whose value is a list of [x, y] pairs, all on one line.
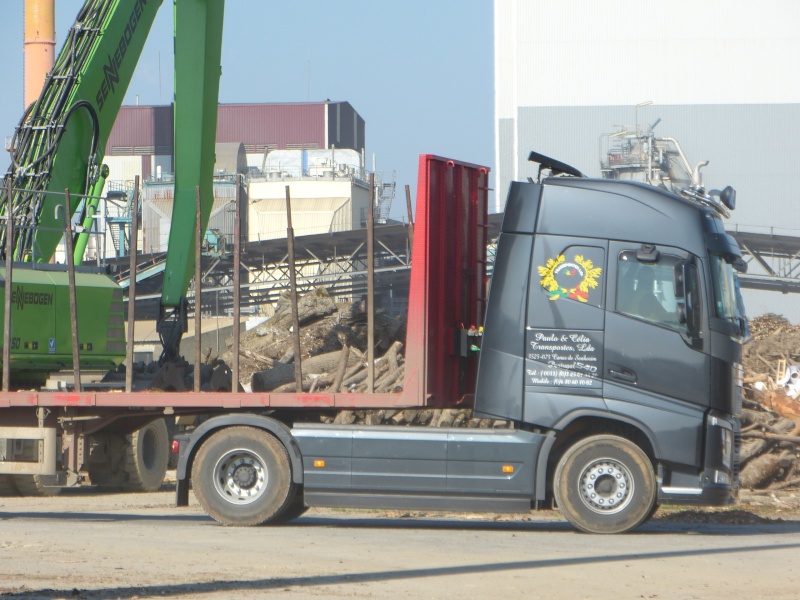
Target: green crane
{"points": [[59, 144]]}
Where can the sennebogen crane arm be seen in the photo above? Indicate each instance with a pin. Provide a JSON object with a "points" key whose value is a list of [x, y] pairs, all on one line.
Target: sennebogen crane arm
{"points": [[60, 140], [198, 47]]}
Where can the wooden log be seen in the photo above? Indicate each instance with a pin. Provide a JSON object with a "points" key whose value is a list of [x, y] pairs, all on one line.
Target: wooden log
{"points": [[256, 357], [340, 370], [345, 417], [760, 471], [374, 417], [311, 307], [310, 384], [752, 448], [785, 484], [281, 373], [773, 437], [424, 416]]}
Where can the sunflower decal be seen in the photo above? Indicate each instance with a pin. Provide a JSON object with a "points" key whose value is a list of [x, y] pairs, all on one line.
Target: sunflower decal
{"points": [[569, 279]]}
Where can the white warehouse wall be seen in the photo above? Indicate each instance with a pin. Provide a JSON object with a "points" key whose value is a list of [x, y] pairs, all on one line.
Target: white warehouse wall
{"points": [[719, 74]]}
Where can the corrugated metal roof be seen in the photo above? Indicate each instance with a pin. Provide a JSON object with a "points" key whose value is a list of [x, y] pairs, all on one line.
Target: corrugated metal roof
{"points": [[142, 130], [149, 129], [279, 124]]}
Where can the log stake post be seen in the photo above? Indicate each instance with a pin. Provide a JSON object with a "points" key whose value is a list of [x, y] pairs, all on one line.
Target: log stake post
{"points": [[198, 276], [73, 299], [237, 291], [410, 218], [133, 249], [8, 284], [298, 367], [371, 287]]}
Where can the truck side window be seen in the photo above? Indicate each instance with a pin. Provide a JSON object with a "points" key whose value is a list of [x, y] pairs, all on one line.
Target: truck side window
{"points": [[646, 290]]}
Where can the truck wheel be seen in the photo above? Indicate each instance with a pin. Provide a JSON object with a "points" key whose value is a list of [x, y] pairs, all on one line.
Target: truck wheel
{"points": [[7, 487], [36, 485], [146, 457], [605, 484], [242, 476]]}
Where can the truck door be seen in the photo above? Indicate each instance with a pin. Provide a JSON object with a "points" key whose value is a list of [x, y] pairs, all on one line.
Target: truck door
{"points": [[647, 346], [564, 328]]}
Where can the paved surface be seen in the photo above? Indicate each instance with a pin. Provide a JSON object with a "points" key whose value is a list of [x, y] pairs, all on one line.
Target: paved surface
{"points": [[88, 545]]}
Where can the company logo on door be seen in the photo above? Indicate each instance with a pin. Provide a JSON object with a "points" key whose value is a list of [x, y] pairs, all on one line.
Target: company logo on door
{"points": [[569, 279]]}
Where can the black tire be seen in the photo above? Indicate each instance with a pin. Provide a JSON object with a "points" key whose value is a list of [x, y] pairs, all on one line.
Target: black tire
{"points": [[147, 457], [36, 485], [7, 487], [242, 476], [605, 484]]}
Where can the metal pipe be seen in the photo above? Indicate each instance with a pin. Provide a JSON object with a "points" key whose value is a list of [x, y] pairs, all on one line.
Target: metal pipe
{"points": [[371, 287], [198, 275], [73, 300], [298, 367], [39, 46], [8, 288], [237, 280], [133, 249]]}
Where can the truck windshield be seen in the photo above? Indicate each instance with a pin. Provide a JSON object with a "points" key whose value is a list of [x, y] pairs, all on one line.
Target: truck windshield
{"points": [[725, 303]]}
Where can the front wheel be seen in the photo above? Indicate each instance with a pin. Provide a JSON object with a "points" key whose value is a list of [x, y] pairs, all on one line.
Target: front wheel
{"points": [[605, 484], [242, 476]]}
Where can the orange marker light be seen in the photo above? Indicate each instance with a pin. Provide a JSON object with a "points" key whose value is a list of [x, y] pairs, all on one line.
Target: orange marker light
{"points": [[319, 464], [508, 468]]}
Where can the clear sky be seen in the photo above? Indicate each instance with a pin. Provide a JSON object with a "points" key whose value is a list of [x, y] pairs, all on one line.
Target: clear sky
{"points": [[419, 72]]}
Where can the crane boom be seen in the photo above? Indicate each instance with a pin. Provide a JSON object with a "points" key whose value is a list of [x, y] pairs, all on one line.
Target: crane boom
{"points": [[60, 141]]}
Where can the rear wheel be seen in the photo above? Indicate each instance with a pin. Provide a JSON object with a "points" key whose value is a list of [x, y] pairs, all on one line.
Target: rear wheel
{"points": [[242, 476], [605, 484], [147, 456], [36, 485]]}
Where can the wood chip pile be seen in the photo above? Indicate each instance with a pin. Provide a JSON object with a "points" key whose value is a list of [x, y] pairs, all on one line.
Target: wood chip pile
{"points": [[771, 418]]}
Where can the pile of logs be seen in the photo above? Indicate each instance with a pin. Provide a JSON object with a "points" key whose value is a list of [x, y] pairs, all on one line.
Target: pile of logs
{"points": [[333, 348], [770, 453], [447, 417]]}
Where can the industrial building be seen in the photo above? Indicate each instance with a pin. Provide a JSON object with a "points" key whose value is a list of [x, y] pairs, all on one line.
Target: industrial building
{"points": [[716, 80], [315, 147]]}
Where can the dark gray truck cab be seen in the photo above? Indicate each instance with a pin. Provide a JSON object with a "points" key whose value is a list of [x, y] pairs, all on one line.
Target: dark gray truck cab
{"points": [[621, 297]]}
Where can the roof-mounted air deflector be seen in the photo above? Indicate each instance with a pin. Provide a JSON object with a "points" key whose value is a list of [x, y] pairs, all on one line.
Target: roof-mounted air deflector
{"points": [[556, 167]]}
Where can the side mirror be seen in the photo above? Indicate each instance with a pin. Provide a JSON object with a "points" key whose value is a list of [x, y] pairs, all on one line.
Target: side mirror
{"points": [[728, 197]]}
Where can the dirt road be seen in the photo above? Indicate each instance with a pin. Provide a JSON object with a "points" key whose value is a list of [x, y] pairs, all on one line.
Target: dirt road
{"points": [[87, 545]]}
